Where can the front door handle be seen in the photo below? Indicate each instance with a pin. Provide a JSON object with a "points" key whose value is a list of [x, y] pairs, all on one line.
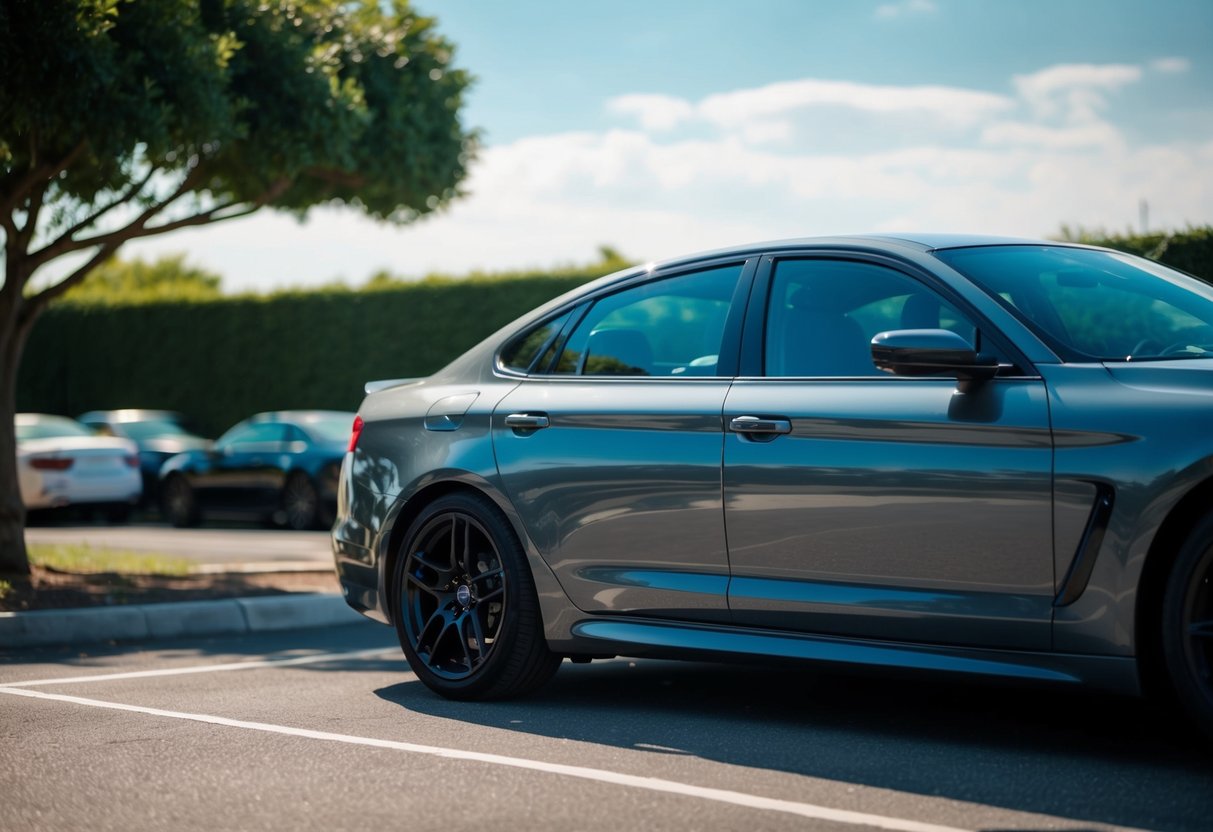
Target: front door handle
{"points": [[527, 421], [757, 424]]}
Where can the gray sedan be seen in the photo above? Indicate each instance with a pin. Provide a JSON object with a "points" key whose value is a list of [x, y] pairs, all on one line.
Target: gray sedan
{"points": [[969, 455]]}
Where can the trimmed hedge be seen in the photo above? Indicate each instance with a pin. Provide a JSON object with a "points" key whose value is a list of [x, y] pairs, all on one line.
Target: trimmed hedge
{"points": [[1190, 250], [222, 360]]}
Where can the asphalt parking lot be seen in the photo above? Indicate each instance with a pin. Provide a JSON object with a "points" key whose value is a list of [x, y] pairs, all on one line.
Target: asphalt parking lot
{"points": [[326, 728]]}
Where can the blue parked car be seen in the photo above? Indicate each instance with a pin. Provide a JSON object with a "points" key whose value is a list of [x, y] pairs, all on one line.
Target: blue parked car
{"points": [[159, 435], [280, 466]]}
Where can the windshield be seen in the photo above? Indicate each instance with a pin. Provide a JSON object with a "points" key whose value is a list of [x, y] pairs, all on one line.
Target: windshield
{"points": [[152, 429], [329, 427], [47, 427], [1095, 305]]}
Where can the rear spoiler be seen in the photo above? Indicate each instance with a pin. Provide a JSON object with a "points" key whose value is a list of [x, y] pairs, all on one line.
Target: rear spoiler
{"points": [[376, 386]]}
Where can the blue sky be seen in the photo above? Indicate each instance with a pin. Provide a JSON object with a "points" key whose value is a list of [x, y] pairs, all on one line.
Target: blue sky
{"points": [[666, 127]]}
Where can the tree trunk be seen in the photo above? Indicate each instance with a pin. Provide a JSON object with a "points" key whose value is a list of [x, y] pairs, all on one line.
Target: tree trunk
{"points": [[14, 560]]}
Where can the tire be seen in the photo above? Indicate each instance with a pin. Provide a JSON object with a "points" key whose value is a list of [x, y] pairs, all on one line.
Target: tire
{"points": [[300, 503], [466, 610], [178, 502], [1187, 625]]}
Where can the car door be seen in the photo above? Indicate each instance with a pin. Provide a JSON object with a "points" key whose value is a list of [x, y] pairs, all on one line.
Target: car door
{"points": [[246, 469], [610, 449], [863, 504]]}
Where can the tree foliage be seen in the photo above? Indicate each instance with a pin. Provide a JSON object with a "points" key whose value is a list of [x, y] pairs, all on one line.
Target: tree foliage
{"points": [[122, 119], [168, 278]]}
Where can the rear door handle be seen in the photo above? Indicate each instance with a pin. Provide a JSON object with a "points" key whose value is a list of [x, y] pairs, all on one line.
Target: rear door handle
{"points": [[757, 424], [527, 421]]}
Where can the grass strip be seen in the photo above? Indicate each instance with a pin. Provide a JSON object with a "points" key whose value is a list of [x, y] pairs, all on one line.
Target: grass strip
{"points": [[83, 558]]}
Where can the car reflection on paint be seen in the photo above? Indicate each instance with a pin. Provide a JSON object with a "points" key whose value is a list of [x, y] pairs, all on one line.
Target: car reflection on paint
{"points": [[968, 455], [281, 466]]}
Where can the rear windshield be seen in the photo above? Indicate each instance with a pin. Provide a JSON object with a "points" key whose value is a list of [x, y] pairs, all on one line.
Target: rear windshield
{"points": [[152, 429], [48, 427], [1095, 305]]}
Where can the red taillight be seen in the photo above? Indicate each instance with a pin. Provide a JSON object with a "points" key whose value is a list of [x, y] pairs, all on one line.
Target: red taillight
{"points": [[357, 431], [131, 461], [51, 463]]}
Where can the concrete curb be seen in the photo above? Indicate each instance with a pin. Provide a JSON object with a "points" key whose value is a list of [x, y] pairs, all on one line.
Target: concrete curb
{"points": [[183, 619]]}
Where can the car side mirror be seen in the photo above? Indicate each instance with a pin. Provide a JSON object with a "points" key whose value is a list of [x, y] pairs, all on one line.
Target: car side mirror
{"points": [[932, 352]]}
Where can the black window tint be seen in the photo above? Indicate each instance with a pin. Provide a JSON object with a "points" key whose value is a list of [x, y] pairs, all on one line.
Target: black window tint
{"points": [[252, 434], [1095, 304], [670, 327], [823, 314], [522, 350], [295, 434]]}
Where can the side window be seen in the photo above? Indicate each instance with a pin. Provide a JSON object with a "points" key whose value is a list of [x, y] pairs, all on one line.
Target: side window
{"points": [[521, 352], [294, 434], [670, 327], [823, 314], [255, 434]]}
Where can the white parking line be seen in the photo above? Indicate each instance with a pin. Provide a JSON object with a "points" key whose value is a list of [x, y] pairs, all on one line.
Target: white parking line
{"points": [[206, 668], [653, 784]]}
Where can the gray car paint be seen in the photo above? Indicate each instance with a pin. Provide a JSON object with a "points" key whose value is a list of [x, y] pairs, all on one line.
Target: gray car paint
{"points": [[1141, 428]]}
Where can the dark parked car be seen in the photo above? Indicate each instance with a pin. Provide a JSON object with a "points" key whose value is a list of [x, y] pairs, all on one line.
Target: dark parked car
{"points": [[959, 454], [159, 434], [282, 466]]}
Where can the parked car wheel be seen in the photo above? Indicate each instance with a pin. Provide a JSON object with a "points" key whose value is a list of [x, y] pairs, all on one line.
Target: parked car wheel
{"points": [[300, 503], [1187, 621], [178, 502], [466, 610]]}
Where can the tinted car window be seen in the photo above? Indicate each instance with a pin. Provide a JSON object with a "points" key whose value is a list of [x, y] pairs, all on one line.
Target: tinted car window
{"points": [[522, 350], [1095, 304], [249, 434], [48, 427], [670, 327], [151, 429], [823, 314]]}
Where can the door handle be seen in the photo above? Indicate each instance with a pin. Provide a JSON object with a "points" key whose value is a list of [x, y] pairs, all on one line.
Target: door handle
{"points": [[527, 421], [757, 424]]}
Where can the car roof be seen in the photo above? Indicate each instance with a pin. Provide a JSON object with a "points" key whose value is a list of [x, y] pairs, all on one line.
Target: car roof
{"points": [[129, 414], [300, 415], [34, 418], [917, 241]]}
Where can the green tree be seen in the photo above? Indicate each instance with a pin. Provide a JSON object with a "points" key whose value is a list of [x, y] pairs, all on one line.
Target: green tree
{"points": [[134, 281], [122, 119]]}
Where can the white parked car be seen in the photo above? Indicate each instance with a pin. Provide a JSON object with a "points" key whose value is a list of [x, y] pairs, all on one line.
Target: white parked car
{"points": [[60, 463]]}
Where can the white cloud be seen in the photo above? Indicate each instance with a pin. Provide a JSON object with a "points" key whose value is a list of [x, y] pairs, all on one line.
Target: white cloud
{"points": [[655, 112], [1170, 66], [1074, 91], [948, 104], [739, 109], [904, 8], [1019, 134], [1022, 166]]}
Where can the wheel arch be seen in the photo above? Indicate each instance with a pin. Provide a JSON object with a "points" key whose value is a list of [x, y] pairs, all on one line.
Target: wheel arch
{"points": [[552, 600], [1178, 524]]}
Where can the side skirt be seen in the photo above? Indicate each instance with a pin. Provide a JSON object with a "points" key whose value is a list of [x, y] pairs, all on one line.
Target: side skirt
{"points": [[633, 637]]}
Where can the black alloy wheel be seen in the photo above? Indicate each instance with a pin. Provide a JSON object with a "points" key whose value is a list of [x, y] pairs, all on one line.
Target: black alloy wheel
{"points": [[466, 610], [1188, 625], [300, 502]]}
